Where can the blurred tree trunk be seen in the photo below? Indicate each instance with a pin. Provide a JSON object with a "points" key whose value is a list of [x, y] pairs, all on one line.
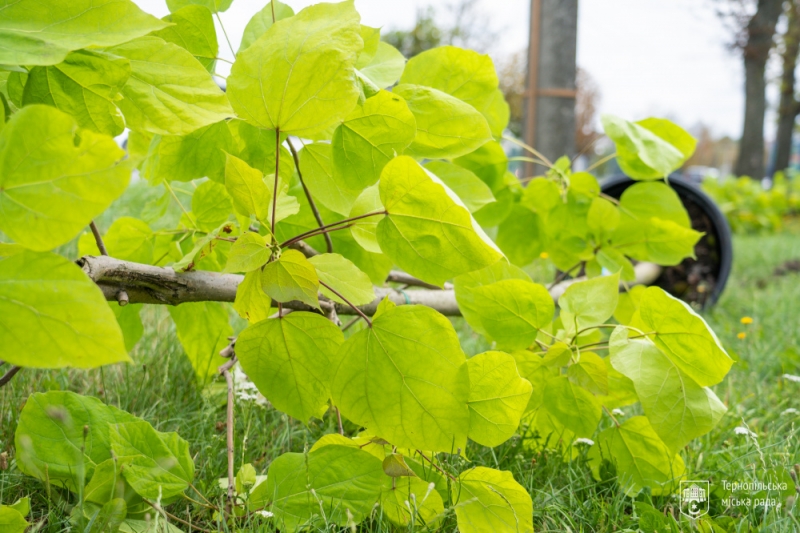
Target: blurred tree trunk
{"points": [[760, 31], [789, 106]]}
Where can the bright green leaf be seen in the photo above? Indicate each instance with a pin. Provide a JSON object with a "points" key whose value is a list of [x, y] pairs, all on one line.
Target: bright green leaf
{"points": [[472, 191], [289, 359], [262, 21], [129, 322], [491, 500], [573, 406], [252, 303], [212, 5], [365, 230], [385, 68], [409, 388], [498, 397], [427, 231], [411, 500], [211, 205], [169, 91], [590, 372], [299, 75], [50, 191], [318, 174], [194, 31], [590, 303], [446, 126], [54, 316], [291, 277], [246, 186], [203, 331], [128, 239], [369, 137], [248, 253], [343, 277], [12, 521]]}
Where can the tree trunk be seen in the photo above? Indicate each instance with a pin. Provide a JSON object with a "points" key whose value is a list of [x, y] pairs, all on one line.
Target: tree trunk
{"points": [[760, 33], [789, 107]]}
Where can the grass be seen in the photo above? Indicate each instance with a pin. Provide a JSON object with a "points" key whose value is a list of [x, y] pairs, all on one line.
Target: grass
{"points": [[160, 389]]}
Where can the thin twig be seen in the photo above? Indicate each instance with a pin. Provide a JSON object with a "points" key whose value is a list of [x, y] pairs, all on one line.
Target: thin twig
{"points": [[437, 467], [563, 275], [351, 323], [345, 300], [317, 216], [8, 376], [601, 162], [97, 238], [339, 419], [225, 371], [332, 226], [226, 35], [612, 416]]}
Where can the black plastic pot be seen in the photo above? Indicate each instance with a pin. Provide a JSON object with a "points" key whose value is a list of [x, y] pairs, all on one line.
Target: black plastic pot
{"points": [[699, 281]]}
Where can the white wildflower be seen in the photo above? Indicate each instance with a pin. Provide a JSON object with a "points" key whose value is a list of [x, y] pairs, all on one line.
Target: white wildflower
{"points": [[790, 411], [618, 412], [791, 377], [741, 430], [588, 442], [265, 514]]}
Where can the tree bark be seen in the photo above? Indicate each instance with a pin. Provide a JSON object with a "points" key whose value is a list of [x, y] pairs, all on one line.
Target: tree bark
{"points": [[760, 33], [159, 285], [789, 106]]}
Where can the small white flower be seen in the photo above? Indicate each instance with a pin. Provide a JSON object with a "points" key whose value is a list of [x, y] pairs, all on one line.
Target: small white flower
{"points": [[265, 514], [618, 412], [790, 411], [588, 442], [741, 430], [791, 377]]}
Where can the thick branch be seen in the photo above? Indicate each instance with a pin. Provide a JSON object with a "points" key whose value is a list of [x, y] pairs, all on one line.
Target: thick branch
{"points": [[158, 285]]}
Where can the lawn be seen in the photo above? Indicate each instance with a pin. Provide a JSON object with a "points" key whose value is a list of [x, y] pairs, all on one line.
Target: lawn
{"points": [[755, 441]]}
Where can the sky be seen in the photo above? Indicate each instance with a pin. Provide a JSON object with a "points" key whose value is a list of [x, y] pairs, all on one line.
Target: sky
{"points": [[649, 57]]}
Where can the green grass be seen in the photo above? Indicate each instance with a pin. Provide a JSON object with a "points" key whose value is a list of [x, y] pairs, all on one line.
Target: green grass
{"points": [[160, 388]]}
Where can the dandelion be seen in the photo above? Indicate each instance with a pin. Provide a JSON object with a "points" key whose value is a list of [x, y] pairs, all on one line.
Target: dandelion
{"points": [[791, 377], [746, 320], [544, 255], [741, 335]]}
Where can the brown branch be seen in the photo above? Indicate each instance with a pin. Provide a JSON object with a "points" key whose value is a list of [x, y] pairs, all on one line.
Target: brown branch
{"points": [[317, 216], [97, 238], [8, 376], [225, 371], [329, 227], [345, 300]]}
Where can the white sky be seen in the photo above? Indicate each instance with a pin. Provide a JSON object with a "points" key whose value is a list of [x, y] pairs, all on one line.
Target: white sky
{"points": [[648, 57]]}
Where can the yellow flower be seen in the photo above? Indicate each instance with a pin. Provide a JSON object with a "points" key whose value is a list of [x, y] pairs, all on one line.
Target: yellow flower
{"points": [[746, 320], [741, 336], [544, 255]]}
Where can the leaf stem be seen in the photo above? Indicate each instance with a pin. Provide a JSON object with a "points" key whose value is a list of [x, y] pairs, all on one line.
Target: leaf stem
{"points": [[601, 162], [175, 197], [610, 415], [8, 376], [225, 34], [277, 175], [317, 216], [563, 275], [272, 5], [529, 149], [331, 226], [97, 238], [437, 467], [345, 300]]}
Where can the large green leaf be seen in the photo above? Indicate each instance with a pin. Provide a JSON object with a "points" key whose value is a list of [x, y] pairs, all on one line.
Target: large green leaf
{"points": [[589, 303], [54, 316], [248, 253], [365, 230], [318, 175], [465, 74], [128, 238], [522, 236], [256, 147], [211, 205], [299, 75], [289, 359], [193, 29], [49, 440], [343, 277], [291, 277], [489, 162], [491, 500], [203, 331], [213, 5], [199, 154], [684, 337], [385, 67], [498, 397], [678, 408], [369, 137], [411, 500], [246, 186], [332, 484], [467, 284], [446, 126], [169, 91], [649, 149], [11, 520], [572, 405], [54, 179], [513, 311], [427, 231], [262, 21], [42, 33], [85, 85], [472, 191], [157, 465], [251, 302], [406, 380], [641, 458], [591, 373]]}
